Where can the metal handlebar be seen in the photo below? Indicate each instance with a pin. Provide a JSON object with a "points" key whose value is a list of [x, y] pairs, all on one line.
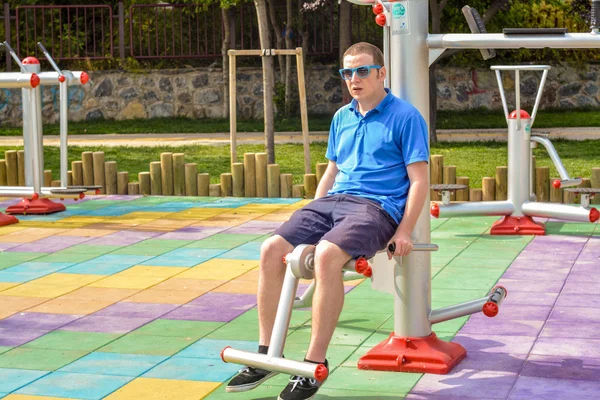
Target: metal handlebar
{"points": [[14, 55]]}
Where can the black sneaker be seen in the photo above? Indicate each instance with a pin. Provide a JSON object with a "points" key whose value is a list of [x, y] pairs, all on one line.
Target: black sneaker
{"points": [[301, 388], [247, 379]]}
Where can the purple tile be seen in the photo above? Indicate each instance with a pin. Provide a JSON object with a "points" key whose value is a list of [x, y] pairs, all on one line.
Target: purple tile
{"points": [[567, 347], [549, 274], [554, 239], [492, 362], [585, 271], [225, 300], [496, 343], [13, 337], [93, 323], [136, 310], [520, 285], [589, 256], [528, 388], [37, 321], [575, 314], [534, 255], [430, 396], [502, 327], [553, 367], [578, 300], [122, 197], [467, 384], [185, 235], [7, 245], [527, 298], [541, 264], [256, 227], [201, 229], [205, 313], [569, 329], [574, 286], [37, 248], [123, 238]]}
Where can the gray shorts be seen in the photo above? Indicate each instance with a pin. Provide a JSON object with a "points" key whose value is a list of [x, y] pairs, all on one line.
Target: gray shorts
{"points": [[359, 226]]}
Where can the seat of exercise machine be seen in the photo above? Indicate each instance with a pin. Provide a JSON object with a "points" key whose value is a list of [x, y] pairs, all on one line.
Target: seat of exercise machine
{"points": [[86, 187], [541, 134], [451, 187], [69, 190], [534, 31]]}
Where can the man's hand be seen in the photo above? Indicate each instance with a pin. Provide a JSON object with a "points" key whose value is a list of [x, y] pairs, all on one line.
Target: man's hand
{"points": [[403, 245]]}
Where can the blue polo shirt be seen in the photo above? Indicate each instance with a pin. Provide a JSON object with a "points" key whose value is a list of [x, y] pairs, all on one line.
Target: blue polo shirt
{"points": [[372, 152]]}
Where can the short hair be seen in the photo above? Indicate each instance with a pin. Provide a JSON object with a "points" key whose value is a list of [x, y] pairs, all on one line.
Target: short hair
{"points": [[365, 48]]}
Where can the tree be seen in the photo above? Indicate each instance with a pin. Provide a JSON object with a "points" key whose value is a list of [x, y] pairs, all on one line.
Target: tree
{"points": [[267, 66]]}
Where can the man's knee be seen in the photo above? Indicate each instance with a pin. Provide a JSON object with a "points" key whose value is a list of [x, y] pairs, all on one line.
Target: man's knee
{"points": [[275, 247], [329, 257]]}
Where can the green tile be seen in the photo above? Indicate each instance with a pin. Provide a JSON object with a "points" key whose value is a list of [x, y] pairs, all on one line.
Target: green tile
{"points": [[262, 238], [61, 256], [482, 263], [266, 391], [10, 259], [4, 349], [223, 241], [470, 278], [250, 317], [360, 305], [153, 247], [350, 379], [372, 321], [457, 295], [66, 340], [38, 359], [145, 344], [326, 393], [233, 331], [341, 336], [193, 330], [570, 228]]}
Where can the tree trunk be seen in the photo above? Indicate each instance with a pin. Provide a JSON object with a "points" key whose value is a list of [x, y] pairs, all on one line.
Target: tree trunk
{"points": [[288, 45], [267, 64], [226, 15], [279, 40], [345, 27], [303, 28]]}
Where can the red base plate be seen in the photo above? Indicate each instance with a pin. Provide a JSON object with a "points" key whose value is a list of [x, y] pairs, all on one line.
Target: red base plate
{"points": [[7, 219], [425, 354], [517, 226], [39, 206]]}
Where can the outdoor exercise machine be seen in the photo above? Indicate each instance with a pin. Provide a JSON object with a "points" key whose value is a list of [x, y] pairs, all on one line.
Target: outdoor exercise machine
{"points": [[521, 204], [36, 198], [409, 51]]}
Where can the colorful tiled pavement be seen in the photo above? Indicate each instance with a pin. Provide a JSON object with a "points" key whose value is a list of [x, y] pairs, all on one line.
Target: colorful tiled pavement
{"points": [[125, 297]]}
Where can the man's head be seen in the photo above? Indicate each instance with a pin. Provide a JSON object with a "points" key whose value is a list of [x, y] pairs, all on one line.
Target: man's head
{"points": [[364, 84]]}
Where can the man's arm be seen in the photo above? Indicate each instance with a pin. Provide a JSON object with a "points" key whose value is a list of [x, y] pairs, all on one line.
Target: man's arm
{"points": [[417, 193], [326, 182]]}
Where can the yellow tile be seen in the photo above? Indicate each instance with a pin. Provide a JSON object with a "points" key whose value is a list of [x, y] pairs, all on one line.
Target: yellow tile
{"points": [[166, 296], [62, 279], [227, 263], [208, 212], [7, 285], [164, 272], [4, 230], [86, 219], [28, 397], [233, 217], [219, 223], [105, 294], [163, 389], [238, 286], [192, 285], [203, 271], [274, 217], [126, 282], [70, 306], [19, 303], [169, 223], [148, 214], [7, 313], [88, 232], [35, 290], [19, 237], [299, 204]]}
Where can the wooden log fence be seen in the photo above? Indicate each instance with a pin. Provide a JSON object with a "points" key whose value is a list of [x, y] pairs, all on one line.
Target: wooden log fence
{"points": [[255, 178]]}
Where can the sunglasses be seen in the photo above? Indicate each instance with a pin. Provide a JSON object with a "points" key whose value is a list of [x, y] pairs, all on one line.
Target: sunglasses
{"points": [[361, 72]]}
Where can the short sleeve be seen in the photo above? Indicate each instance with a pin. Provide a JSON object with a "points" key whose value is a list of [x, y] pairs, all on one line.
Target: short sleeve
{"points": [[331, 143], [414, 140]]}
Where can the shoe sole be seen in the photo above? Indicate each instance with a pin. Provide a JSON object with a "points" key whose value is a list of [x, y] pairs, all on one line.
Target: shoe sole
{"points": [[250, 386]]}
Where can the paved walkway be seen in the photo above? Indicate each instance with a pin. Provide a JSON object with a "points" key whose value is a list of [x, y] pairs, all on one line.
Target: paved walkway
{"points": [[129, 297], [181, 139]]}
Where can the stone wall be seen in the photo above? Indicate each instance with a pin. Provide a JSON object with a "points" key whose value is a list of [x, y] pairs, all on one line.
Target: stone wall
{"points": [[198, 93]]}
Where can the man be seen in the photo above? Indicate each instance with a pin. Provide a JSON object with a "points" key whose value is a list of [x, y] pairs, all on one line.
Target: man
{"points": [[371, 195]]}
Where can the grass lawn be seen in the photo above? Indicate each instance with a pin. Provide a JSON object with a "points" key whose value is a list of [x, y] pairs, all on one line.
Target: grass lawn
{"points": [[474, 119], [475, 160]]}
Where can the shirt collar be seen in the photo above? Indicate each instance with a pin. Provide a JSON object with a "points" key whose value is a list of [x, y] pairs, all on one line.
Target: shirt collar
{"points": [[380, 107]]}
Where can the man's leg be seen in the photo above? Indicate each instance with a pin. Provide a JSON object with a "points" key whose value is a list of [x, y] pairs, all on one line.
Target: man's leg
{"points": [[270, 281], [328, 299]]}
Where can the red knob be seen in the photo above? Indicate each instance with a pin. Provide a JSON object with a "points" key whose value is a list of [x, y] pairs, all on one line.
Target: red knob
{"points": [[81, 195], [368, 273], [84, 78], [35, 196], [556, 184], [380, 19], [378, 9], [361, 265], [594, 215], [321, 372], [490, 309], [435, 211], [61, 78], [35, 80], [97, 191]]}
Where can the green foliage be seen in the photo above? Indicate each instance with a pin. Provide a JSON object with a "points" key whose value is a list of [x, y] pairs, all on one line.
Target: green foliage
{"points": [[289, 109]]}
